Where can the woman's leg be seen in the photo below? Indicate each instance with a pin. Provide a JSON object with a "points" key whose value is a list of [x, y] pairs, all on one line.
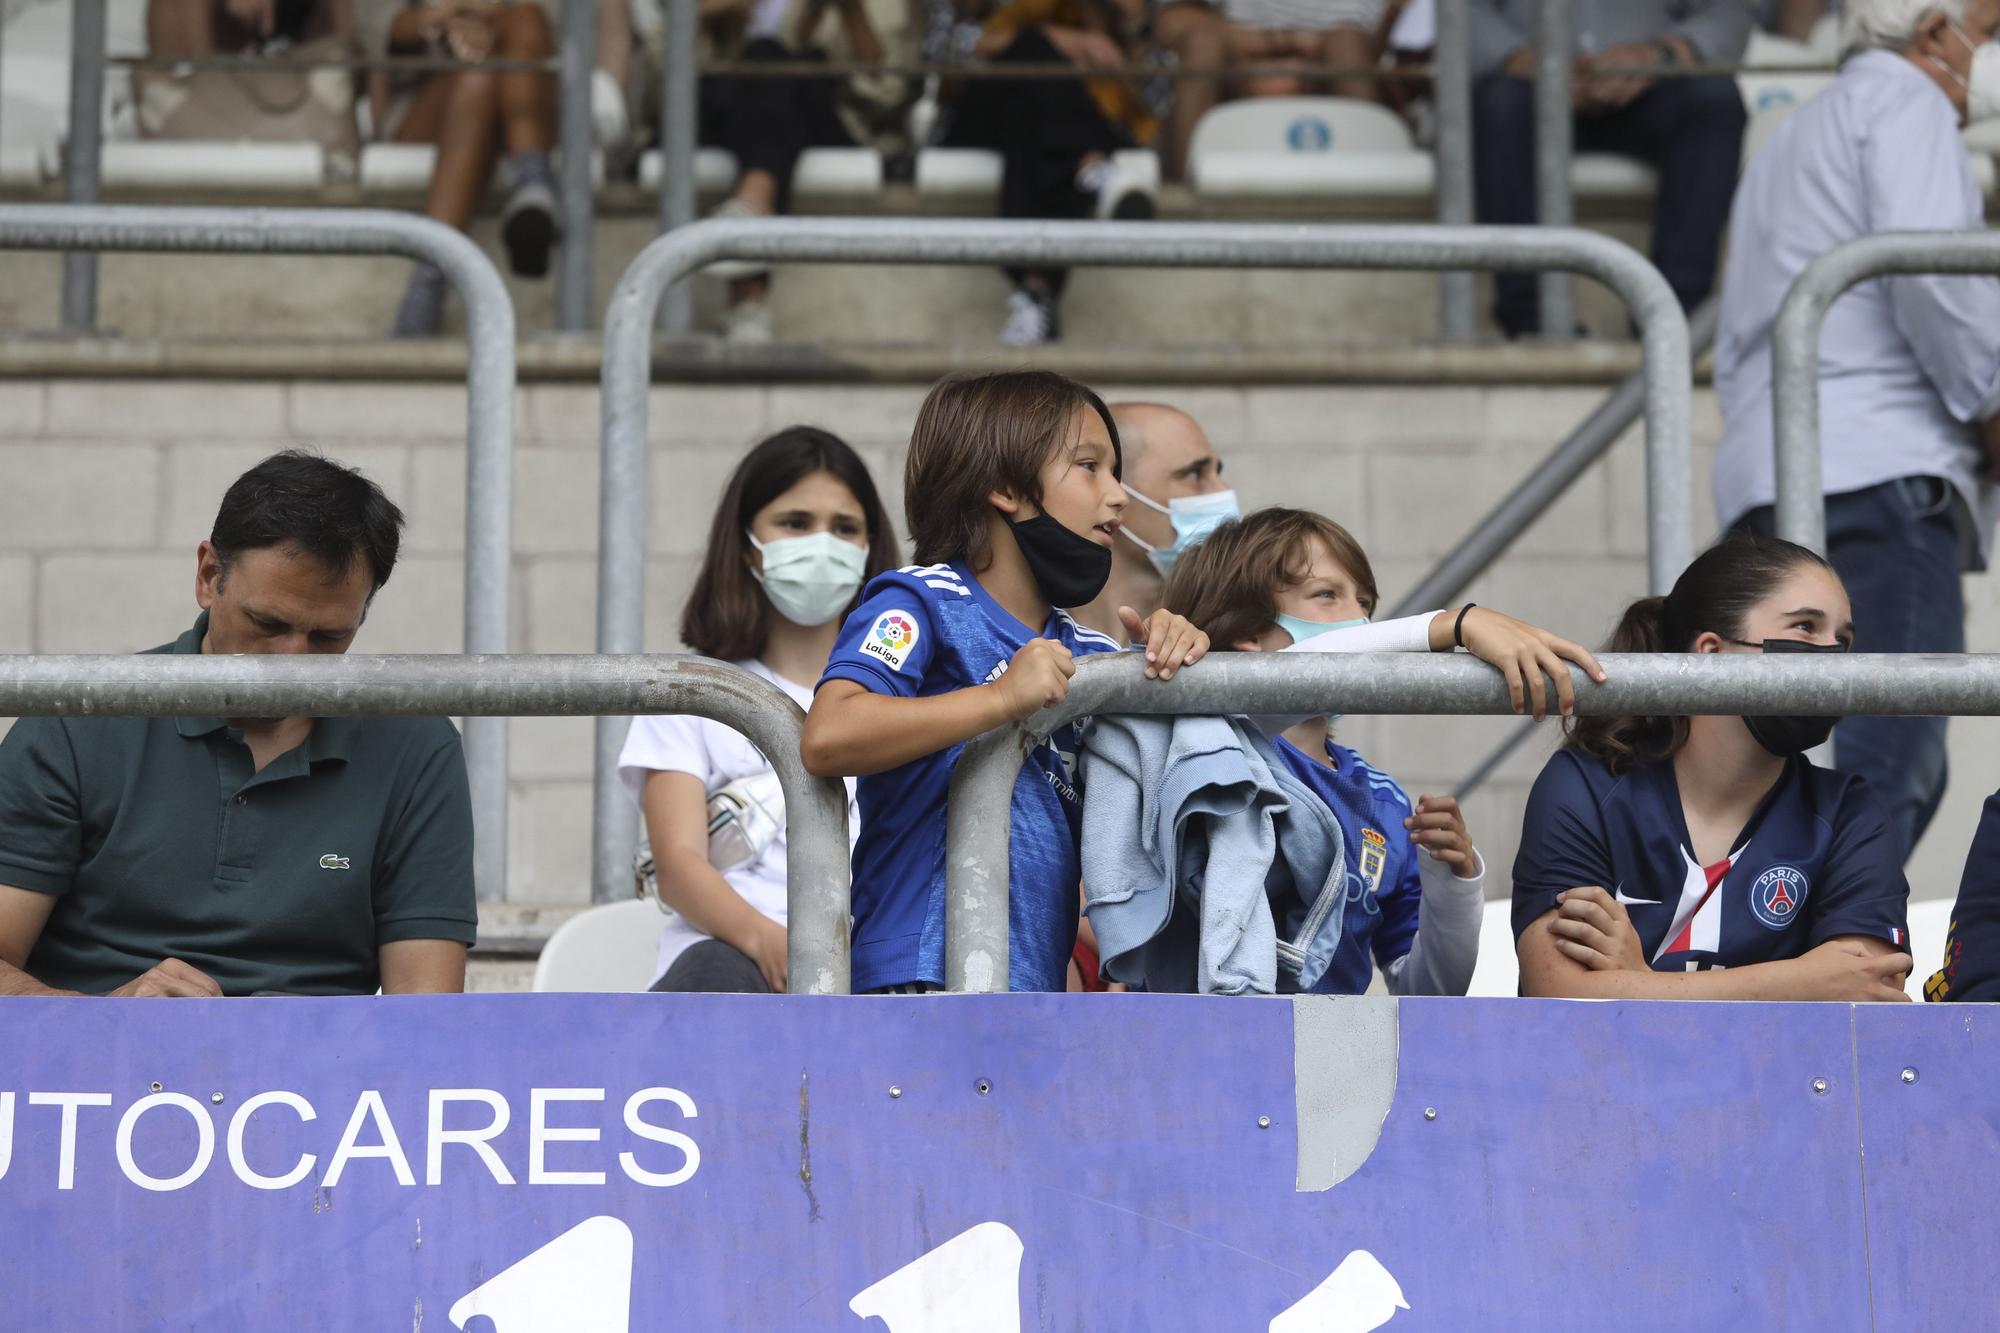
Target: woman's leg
{"points": [[455, 112], [527, 100], [1351, 48], [1198, 37], [716, 968]]}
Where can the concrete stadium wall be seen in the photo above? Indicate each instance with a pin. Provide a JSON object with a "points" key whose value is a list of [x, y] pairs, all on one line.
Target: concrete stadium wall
{"points": [[107, 485]]}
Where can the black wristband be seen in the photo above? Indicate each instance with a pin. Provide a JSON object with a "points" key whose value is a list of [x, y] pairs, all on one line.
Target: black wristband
{"points": [[1458, 626]]}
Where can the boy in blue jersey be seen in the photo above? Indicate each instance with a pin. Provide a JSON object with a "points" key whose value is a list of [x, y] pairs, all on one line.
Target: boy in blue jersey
{"points": [[1707, 857], [1013, 499], [1415, 883]]}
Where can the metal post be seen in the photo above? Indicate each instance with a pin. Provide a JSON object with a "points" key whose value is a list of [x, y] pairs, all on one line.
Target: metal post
{"points": [[679, 112], [1550, 481], [1651, 684], [629, 319], [492, 689], [1451, 77], [489, 453], [83, 160], [1801, 503], [1555, 125], [578, 58]]}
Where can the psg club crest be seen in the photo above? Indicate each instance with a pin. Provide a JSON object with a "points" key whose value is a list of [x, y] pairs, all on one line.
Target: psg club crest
{"points": [[1778, 896]]}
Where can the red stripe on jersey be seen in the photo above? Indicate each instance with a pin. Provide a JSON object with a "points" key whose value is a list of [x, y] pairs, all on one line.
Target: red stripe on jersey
{"points": [[1684, 941]]}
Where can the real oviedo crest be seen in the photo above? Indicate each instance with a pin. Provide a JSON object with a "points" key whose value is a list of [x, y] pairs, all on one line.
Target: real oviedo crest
{"points": [[1778, 896]]}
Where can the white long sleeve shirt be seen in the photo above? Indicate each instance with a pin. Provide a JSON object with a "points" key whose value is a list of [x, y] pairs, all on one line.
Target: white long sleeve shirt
{"points": [[1907, 363]]}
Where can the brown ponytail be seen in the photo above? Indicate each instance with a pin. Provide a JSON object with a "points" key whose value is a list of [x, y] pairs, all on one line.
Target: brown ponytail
{"points": [[1716, 592]]}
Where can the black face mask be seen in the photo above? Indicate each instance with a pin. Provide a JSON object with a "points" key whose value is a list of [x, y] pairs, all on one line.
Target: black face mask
{"points": [[1070, 570], [1788, 736]]}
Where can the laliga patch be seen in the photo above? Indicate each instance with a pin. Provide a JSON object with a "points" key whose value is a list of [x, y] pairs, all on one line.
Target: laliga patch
{"points": [[1374, 853], [1778, 896], [891, 638]]}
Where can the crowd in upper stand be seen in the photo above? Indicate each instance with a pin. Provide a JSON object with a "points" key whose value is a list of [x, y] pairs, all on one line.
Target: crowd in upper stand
{"points": [[1145, 74]]}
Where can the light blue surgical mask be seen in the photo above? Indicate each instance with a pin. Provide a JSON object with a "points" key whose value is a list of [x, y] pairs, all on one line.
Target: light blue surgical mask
{"points": [[811, 579], [1193, 517], [1301, 630]]}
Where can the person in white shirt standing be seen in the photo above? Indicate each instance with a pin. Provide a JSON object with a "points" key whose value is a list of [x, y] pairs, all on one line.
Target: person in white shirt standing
{"points": [[1909, 367], [799, 530]]}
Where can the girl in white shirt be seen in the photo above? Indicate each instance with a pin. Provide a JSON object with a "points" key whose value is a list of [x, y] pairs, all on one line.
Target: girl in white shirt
{"points": [[799, 530]]}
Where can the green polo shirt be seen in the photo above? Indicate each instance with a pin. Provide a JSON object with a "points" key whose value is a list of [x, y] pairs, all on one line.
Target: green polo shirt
{"points": [[159, 840]]}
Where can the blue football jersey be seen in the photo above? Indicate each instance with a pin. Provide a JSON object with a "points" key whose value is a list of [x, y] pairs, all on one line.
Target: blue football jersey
{"points": [[932, 630], [1383, 886], [1814, 862]]}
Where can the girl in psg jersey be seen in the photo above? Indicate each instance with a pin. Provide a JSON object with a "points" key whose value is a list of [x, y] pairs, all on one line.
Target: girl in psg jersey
{"points": [[1706, 857]]}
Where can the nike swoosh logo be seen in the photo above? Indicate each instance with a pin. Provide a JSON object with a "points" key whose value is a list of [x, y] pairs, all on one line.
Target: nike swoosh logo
{"points": [[1621, 896]]}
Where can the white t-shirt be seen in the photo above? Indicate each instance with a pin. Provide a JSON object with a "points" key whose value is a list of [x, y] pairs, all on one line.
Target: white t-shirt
{"points": [[717, 756]]}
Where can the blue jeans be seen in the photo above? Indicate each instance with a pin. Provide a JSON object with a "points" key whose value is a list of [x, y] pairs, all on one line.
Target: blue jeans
{"points": [[1691, 130], [1896, 547]]}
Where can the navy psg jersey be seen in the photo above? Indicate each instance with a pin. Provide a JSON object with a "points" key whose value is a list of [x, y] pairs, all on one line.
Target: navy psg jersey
{"points": [[1814, 862]]}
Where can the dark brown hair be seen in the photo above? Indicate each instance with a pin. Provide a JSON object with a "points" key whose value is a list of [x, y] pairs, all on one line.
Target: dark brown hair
{"points": [[1717, 592], [976, 434], [727, 614], [1228, 586]]}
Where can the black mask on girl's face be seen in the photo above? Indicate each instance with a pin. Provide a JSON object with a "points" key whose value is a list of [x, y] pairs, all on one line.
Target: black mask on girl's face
{"points": [[1788, 736], [1070, 570]]}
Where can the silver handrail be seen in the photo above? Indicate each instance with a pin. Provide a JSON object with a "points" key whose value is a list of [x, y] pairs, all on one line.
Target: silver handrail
{"points": [[498, 687], [1647, 684], [628, 325], [489, 434], [1801, 502]]}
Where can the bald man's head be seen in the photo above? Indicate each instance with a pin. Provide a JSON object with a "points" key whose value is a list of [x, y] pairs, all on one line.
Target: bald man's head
{"points": [[1167, 455]]}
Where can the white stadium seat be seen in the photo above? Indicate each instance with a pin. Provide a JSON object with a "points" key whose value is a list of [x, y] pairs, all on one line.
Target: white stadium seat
{"points": [[405, 168], [971, 176], [19, 164], [160, 164], [1305, 145], [822, 172], [614, 947]]}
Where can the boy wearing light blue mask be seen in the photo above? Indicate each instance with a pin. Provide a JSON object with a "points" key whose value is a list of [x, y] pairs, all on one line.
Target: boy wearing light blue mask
{"points": [[1289, 580]]}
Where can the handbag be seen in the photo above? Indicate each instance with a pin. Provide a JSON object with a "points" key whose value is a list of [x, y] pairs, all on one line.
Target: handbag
{"points": [[311, 102]]}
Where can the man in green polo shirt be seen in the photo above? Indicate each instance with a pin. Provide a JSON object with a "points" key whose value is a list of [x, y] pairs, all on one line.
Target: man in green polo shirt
{"points": [[203, 856]]}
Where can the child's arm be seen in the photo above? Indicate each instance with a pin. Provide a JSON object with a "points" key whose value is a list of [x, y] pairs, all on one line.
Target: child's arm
{"points": [[1451, 879], [853, 731]]}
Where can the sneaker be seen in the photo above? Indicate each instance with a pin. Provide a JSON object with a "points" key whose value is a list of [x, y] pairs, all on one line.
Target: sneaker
{"points": [[747, 323], [1031, 320], [421, 312], [528, 221], [1120, 191], [734, 270]]}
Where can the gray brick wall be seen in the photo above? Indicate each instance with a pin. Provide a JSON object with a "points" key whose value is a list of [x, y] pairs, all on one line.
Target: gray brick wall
{"points": [[108, 486]]}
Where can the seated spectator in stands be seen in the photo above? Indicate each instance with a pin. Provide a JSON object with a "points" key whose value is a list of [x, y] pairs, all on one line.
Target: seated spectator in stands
{"points": [[767, 123], [1909, 367], [1013, 502], [337, 857], [1295, 37], [1057, 137], [1688, 127], [196, 28], [1689, 858], [477, 118], [1971, 970], [1174, 480], [1285, 576], [799, 529]]}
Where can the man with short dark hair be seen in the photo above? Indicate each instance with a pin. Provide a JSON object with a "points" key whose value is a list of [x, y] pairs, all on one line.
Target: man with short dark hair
{"points": [[203, 856]]}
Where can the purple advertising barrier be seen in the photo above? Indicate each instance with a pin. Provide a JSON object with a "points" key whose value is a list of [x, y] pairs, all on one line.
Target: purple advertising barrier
{"points": [[993, 1164]]}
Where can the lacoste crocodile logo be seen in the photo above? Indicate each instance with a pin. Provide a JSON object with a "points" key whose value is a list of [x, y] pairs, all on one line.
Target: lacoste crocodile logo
{"points": [[332, 862]]}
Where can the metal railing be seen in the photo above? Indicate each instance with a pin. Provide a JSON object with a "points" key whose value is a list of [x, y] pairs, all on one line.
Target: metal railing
{"points": [[1650, 684], [1801, 501], [628, 326], [489, 435], [496, 687]]}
